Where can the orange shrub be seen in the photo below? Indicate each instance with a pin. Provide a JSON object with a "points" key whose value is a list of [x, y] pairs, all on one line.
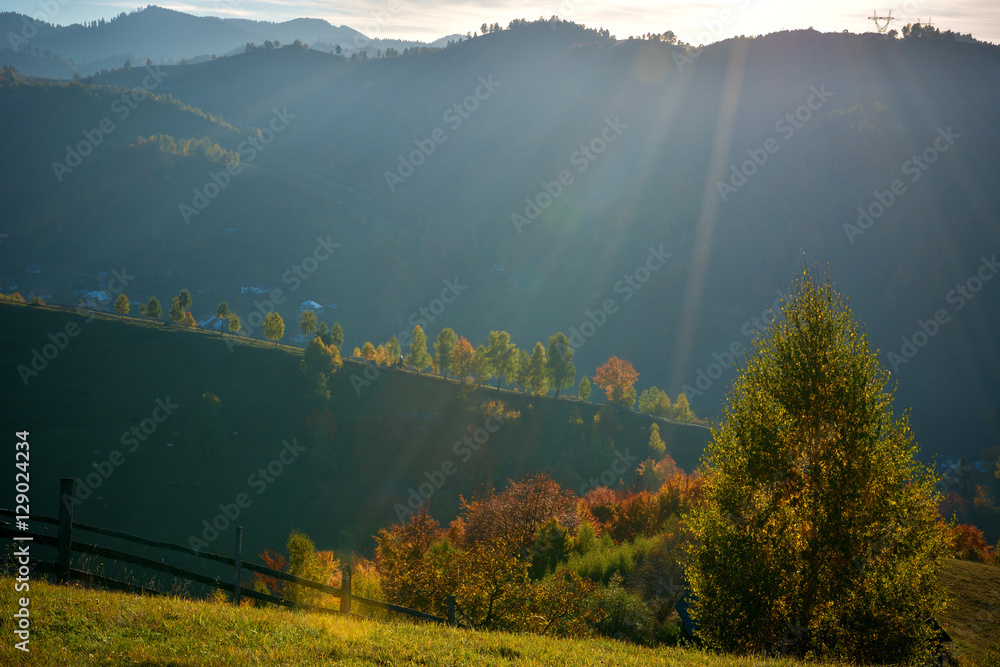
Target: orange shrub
{"points": [[967, 543]]}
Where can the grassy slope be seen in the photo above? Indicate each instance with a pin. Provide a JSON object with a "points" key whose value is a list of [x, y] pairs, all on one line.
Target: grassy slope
{"points": [[973, 616], [342, 488], [81, 627], [72, 625]]}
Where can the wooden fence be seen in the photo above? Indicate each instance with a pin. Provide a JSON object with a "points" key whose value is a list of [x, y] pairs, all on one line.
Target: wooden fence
{"points": [[66, 545]]}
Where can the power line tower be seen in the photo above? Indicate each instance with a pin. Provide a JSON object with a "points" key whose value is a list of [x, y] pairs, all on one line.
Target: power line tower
{"points": [[881, 22]]}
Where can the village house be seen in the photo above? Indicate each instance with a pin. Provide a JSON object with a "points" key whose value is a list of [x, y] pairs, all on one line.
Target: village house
{"points": [[211, 322], [254, 288], [97, 299]]}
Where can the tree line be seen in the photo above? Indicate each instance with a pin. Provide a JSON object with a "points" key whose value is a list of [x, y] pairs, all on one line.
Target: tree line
{"points": [[546, 368]]}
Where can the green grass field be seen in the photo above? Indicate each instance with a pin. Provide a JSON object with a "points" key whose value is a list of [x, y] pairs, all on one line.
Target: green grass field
{"points": [[972, 618], [75, 626]]}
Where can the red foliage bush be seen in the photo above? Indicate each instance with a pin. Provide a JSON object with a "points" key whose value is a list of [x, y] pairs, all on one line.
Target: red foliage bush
{"points": [[967, 543]]}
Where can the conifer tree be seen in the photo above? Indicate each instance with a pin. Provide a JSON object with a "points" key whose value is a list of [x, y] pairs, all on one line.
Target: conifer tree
{"points": [[682, 409], [121, 304], [656, 444]]}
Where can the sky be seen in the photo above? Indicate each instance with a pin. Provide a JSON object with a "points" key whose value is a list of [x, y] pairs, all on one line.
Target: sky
{"points": [[696, 22]]}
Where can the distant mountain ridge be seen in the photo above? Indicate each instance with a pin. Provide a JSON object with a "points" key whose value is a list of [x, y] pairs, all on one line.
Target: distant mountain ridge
{"points": [[166, 36]]}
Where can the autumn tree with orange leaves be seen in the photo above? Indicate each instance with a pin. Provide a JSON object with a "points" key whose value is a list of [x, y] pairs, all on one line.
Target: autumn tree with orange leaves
{"points": [[617, 378], [463, 358]]}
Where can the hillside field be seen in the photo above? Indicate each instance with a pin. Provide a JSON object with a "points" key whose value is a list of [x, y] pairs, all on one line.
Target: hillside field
{"points": [[74, 625], [363, 450]]}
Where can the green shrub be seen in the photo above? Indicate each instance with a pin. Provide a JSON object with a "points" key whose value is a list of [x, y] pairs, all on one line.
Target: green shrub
{"points": [[606, 559], [624, 615]]}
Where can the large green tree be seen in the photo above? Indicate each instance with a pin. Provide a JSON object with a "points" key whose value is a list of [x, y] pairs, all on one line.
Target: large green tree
{"points": [[523, 368], [418, 357], [184, 299], [122, 305], [559, 363], [536, 377], [482, 369], [443, 347], [501, 354], [393, 351], [336, 336], [318, 361], [819, 530], [222, 311], [309, 322], [654, 401], [681, 409], [274, 326], [177, 312]]}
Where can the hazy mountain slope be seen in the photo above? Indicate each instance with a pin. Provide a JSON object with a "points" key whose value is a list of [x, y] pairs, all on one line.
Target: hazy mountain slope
{"points": [[166, 35], [553, 89], [364, 450]]}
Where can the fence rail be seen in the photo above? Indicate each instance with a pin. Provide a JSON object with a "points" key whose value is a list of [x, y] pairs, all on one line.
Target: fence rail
{"points": [[66, 546]]}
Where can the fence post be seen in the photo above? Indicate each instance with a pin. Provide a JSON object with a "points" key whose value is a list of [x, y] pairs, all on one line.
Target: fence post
{"points": [[345, 592], [65, 545], [237, 564], [451, 610]]}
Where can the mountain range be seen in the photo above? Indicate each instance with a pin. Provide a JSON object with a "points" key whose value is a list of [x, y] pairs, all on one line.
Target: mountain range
{"points": [[650, 200], [166, 36]]}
